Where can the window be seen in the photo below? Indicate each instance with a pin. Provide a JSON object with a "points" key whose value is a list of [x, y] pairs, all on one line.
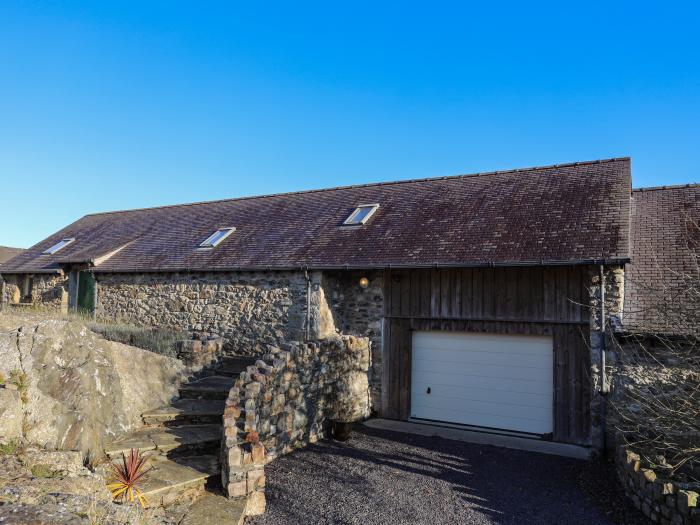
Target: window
{"points": [[215, 238], [361, 214], [59, 246]]}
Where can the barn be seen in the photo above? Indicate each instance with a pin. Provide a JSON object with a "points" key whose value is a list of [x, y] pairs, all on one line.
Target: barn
{"points": [[484, 295]]}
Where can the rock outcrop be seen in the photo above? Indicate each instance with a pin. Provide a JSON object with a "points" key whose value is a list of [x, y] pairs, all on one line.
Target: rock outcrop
{"points": [[67, 388]]}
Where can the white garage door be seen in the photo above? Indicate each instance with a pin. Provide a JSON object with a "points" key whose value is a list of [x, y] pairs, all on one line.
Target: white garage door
{"points": [[487, 380]]}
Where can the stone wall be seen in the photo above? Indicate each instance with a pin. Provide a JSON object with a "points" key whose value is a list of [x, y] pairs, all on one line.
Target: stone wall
{"points": [[250, 310], [614, 303], [662, 501], [47, 290], [358, 311], [288, 400]]}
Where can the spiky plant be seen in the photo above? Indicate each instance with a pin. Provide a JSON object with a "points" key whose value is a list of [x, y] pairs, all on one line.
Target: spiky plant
{"points": [[128, 476]]}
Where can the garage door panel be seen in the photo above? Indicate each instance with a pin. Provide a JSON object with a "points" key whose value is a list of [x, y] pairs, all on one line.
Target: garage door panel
{"points": [[486, 357], [489, 420], [502, 393], [482, 341], [456, 371], [490, 380]]}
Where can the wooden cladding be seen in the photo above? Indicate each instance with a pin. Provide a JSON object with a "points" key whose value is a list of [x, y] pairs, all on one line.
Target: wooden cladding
{"points": [[535, 294], [529, 301]]}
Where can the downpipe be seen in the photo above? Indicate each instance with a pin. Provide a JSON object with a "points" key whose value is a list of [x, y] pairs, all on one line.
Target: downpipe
{"points": [[603, 374], [307, 327]]}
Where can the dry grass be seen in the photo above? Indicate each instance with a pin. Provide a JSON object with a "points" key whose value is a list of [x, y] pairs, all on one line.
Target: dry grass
{"points": [[157, 340]]}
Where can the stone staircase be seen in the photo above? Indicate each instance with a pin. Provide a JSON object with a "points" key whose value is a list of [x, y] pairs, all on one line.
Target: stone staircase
{"points": [[183, 440]]}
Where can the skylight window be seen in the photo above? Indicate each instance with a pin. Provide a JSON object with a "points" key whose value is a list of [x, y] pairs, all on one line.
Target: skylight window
{"points": [[215, 238], [59, 246], [361, 214]]}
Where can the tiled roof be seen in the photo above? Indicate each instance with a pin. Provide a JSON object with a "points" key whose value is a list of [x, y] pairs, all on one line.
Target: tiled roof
{"points": [[556, 214], [664, 251], [7, 253]]}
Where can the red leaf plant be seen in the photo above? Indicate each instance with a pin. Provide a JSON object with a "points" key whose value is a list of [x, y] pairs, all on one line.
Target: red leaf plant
{"points": [[128, 476]]}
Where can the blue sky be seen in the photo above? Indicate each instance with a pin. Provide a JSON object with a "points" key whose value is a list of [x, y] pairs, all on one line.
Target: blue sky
{"points": [[114, 105]]}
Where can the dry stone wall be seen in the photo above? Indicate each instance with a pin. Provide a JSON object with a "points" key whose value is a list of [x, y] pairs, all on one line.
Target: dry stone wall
{"points": [[286, 401], [250, 310], [47, 290], [662, 501]]}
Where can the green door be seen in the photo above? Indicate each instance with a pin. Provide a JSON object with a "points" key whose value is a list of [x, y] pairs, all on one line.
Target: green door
{"points": [[86, 292]]}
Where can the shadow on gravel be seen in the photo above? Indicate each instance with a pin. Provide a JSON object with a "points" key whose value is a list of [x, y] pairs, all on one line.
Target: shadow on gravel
{"points": [[382, 477]]}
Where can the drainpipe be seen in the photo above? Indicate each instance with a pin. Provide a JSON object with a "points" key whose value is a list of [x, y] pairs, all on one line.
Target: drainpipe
{"points": [[2, 293], [603, 377], [94, 297], [308, 306]]}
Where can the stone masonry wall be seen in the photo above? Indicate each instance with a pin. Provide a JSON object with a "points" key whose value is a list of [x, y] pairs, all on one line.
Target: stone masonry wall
{"points": [[48, 290], [286, 401], [614, 302], [250, 310], [358, 311], [662, 501]]}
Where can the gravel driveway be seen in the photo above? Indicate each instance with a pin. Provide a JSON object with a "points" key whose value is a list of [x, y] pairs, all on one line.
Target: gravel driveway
{"points": [[382, 477]]}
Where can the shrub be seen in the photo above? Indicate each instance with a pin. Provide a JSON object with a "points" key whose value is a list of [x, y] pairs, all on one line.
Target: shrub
{"points": [[128, 476]]}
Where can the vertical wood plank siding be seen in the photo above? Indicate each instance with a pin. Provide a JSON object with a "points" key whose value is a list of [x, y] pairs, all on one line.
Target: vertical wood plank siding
{"points": [[530, 301]]}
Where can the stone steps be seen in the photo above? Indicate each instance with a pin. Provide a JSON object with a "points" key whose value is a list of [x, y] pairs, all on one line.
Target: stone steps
{"points": [[171, 479], [186, 412], [182, 441], [212, 387], [233, 366], [175, 441]]}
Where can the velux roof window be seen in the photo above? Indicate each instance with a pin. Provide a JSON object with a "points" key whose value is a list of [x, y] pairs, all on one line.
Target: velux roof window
{"points": [[361, 214], [58, 246], [215, 238]]}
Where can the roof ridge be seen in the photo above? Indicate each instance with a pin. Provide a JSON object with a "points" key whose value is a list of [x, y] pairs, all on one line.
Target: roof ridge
{"points": [[369, 185], [667, 187]]}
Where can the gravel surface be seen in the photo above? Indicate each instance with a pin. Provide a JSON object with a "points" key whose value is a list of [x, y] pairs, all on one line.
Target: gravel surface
{"points": [[382, 477]]}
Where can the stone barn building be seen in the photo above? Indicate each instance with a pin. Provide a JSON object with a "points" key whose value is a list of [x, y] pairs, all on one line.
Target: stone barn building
{"points": [[481, 293]]}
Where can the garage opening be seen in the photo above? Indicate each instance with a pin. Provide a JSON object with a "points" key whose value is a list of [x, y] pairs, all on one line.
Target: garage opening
{"points": [[491, 381]]}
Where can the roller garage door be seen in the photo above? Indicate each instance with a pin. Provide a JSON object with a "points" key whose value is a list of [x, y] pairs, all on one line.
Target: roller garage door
{"points": [[485, 380]]}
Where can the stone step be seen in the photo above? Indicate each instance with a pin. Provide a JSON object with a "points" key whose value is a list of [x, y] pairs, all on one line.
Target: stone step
{"points": [[175, 441], [173, 478], [233, 366], [214, 509], [186, 412], [212, 387]]}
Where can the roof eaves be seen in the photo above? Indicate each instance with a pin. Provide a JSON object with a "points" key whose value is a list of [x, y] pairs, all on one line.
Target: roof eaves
{"points": [[611, 261]]}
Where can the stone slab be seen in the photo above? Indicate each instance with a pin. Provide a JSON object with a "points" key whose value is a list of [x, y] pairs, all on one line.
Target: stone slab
{"points": [[165, 440], [172, 438], [213, 509], [187, 408], [213, 387], [233, 366], [482, 438], [170, 477]]}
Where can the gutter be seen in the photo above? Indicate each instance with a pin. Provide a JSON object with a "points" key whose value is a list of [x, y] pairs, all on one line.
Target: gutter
{"points": [[385, 266]]}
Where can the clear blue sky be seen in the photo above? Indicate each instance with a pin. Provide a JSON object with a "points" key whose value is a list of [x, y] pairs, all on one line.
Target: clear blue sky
{"points": [[113, 105]]}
